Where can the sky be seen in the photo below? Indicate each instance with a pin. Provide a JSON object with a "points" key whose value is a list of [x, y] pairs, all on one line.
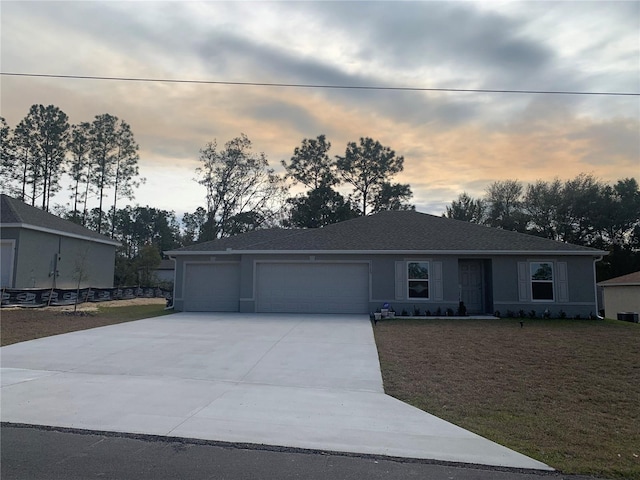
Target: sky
{"points": [[451, 141]]}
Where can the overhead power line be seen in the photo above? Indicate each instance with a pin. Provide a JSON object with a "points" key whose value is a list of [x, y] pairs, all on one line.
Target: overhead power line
{"points": [[303, 85]]}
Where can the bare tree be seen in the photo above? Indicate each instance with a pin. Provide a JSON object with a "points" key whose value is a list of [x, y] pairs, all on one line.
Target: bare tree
{"points": [[237, 181]]}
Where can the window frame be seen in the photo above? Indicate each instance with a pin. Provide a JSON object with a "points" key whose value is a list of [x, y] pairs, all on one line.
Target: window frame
{"points": [[533, 281], [410, 279]]}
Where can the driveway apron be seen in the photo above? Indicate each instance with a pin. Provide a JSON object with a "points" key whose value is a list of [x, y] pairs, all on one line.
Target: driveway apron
{"points": [[303, 381]]}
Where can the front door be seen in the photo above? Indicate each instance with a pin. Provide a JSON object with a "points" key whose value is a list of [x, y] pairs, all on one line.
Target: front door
{"points": [[471, 291]]}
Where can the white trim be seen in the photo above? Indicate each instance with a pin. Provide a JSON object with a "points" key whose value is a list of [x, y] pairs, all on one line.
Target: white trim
{"points": [[27, 226], [553, 281], [409, 279], [556, 253]]}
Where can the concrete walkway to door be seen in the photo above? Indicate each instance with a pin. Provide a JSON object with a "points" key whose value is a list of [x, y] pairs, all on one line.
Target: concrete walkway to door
{"points": [[304, 381]]}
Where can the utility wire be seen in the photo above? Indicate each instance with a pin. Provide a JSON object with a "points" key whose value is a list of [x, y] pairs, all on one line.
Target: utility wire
{"points": [[301, 85]]}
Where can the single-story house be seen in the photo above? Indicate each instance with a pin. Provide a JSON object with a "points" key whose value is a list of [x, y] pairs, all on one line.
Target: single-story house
{"points": [[621, 295], [165, 271], [41, 250], [404, 258]]}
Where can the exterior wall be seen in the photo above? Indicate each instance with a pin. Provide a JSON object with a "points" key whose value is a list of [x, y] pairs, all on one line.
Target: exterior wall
{"points": [[38, 255], [621, 298], [10, 238], [388, 282], [580, 282]]}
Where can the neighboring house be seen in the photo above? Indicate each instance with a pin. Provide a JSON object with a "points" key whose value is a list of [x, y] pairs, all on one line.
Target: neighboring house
{"points": [[621, 295], [164, 272], [405, 258], [41, 250]]}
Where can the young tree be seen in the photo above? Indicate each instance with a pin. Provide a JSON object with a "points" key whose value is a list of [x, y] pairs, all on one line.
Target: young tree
{"points": [[237, 181], [310, 165], [467, 209], [367, 166]]}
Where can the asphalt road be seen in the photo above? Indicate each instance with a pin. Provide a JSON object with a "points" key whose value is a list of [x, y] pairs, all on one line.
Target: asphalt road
{"points": [[31, 452]]}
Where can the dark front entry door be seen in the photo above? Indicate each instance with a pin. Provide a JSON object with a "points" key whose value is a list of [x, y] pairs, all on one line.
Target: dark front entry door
{"points": [[471, 291]]}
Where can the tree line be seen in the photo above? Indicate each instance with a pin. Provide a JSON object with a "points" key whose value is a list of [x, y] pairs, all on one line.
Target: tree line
{"points": [[243, 192], [582, 211], [100, 157]]}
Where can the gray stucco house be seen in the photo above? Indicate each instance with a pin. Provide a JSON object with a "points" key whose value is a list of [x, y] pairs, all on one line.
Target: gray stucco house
{"points": [[41, 250], [408, 259]]}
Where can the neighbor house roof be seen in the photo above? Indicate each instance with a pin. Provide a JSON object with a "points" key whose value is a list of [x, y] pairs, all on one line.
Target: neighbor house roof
{"points": [[389, 232], [629, 279], [17, 214]]}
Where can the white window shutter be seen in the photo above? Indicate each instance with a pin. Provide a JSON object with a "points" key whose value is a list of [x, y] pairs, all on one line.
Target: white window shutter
{"points": [[436, 281], [562, 282], [523, 282], [400, 266]]}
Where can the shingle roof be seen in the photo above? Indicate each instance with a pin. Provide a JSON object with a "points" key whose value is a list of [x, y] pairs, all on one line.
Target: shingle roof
{"points": [[15, 212], [629, 279], [404, 231]]}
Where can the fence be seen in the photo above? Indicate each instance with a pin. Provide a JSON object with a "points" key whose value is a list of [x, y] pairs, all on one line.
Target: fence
{"points": [[43, 297]]}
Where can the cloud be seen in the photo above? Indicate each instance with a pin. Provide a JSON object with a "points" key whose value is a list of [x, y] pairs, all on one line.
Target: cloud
{"points": [[451, 141]]}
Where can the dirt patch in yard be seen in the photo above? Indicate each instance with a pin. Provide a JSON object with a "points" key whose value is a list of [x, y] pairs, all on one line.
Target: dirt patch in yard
{"points": [[22, 324], [563, 392]]}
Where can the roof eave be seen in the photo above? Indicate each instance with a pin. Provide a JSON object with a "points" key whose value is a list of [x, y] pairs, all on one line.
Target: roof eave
{"points": [[27, 226], [593, 253]]}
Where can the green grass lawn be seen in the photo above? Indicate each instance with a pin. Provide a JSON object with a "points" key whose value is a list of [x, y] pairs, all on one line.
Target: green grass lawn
{"points": [[565, 392]]}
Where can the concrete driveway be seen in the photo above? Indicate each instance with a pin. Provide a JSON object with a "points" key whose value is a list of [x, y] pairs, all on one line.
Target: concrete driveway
{"points": [[305, 381]]}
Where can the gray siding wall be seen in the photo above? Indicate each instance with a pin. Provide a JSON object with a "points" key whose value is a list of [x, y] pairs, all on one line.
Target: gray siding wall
{"points": [[35, 260], [501, 281], [580, 283]]}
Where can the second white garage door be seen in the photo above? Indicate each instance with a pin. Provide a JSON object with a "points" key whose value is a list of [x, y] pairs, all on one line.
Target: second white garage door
{"points": [[312, 287], [212, 287]]}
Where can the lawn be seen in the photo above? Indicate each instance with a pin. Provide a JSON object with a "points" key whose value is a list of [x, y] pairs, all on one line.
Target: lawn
{"points": [[565, 392], [22, 324]]}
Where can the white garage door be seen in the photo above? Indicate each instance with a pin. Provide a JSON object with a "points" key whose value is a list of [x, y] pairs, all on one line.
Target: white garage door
{"points": [[313, 288], [212, 288]]}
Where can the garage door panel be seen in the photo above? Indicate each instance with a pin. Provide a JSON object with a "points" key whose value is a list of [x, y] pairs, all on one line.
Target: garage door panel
{"points": [[313, 288], [212, 288]]}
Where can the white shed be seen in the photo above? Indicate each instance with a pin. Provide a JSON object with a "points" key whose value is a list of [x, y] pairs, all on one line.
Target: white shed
{"points": [[621, 295]]}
